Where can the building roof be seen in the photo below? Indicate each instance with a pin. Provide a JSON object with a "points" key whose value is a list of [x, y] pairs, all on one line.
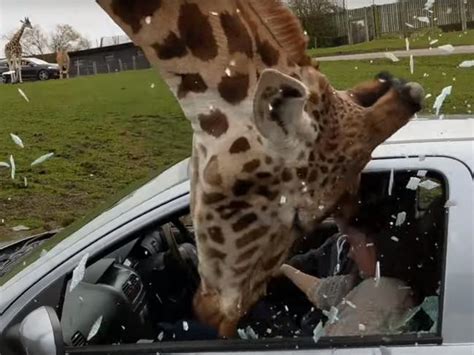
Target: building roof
{"points": [[101, 49]]}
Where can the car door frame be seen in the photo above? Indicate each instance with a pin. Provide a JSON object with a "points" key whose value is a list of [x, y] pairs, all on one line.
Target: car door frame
{"points": [[459, 179]]}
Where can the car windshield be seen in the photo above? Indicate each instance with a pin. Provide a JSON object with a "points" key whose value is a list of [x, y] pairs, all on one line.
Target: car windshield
{"points": [[135, 194], [37, 61]]}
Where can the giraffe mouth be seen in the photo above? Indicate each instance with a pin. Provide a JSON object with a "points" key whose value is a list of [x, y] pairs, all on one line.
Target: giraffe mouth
{"points": [[305, 223]]}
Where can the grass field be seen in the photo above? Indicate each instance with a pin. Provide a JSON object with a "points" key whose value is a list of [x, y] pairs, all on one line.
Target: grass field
{"points": [[417, 40], [434, 73], [108, 131]]}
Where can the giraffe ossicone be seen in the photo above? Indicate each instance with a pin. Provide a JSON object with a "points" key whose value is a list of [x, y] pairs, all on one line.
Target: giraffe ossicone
{"points": [[275, 146]]}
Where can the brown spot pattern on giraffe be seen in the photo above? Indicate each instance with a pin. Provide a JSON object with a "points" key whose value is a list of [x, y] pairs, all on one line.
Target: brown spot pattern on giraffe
{"points": [[215, 254], [240, 145], [264, 175], [234, 88], [215, 233], [217, 270], [247, 254], [132, 12], [238, 38], [251, 236], [214, 124], [202, 237], [242, 187], [240, 270], [266, 192], [212, 198], [251, 166], [196, 31], [286, 175], [171, 47], [211, 172], [302, 173], [267, 52], [191, 83], [229, 210], [244, 222]]}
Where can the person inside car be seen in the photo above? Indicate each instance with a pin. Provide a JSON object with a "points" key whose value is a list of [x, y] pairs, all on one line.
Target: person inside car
{"points": [[382, 290]]}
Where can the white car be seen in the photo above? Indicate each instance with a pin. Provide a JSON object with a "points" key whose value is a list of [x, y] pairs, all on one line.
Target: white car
{"points": [[121, 281]]}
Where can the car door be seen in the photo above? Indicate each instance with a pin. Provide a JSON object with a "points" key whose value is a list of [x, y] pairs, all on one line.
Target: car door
{"points": [[452, 328], [452, 321], [28, 69]]}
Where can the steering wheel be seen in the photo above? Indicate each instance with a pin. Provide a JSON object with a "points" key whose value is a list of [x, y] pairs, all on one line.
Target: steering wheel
{"points": [[176, 253]]}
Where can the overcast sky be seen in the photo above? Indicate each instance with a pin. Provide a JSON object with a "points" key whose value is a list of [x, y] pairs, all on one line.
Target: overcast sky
{"points": [[84, 15]]}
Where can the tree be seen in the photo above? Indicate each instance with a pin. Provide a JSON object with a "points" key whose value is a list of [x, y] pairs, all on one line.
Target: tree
{"points": [[66, 37], [315, 17], [33, 42], [36, 41]]}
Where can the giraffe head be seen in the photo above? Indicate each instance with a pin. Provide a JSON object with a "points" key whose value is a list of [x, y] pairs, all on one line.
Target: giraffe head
{"points": [[275, 146], [26, 23]]}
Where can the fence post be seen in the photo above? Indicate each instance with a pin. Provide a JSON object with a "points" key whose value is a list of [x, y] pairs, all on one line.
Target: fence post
{"points": [[108, 67], [366, 21], [94, 67], [462, 11], [77, 68], [375, 20], [134, 61], [120, 64]]}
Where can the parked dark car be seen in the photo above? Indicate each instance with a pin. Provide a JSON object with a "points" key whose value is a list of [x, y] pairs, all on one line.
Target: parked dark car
{"points": [[31, 69]]}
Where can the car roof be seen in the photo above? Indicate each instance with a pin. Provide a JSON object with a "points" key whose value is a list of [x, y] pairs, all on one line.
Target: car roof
{"points": [[451, 138], [423, 130]]}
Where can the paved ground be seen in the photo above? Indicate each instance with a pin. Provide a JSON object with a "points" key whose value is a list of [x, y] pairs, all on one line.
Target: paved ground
{"points": [[400, 54]]}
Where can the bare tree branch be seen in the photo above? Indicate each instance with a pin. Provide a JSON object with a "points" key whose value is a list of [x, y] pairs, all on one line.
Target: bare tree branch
{"points": [[66, 37], [34, 41]]}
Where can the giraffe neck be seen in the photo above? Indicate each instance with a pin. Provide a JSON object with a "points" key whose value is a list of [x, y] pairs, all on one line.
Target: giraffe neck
{"points": [[17, 37]]}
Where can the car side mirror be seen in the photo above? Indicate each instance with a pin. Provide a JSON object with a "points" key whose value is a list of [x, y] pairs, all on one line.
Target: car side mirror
{"points": [[40, 333]]}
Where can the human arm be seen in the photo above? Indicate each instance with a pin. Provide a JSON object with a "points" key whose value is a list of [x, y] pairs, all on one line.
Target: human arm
{"points": [[323, 293]]}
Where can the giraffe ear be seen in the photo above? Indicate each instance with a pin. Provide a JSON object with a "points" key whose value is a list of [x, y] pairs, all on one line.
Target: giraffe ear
{"points": [[279, 110]]}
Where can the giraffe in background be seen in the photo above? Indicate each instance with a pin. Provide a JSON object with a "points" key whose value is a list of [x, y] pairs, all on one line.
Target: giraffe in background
{"points": [[13, 51], [63, 60]]}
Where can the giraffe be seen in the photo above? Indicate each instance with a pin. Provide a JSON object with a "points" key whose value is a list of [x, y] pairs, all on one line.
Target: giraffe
{"points": [[13, 51], [275, 146], [63, 60]]}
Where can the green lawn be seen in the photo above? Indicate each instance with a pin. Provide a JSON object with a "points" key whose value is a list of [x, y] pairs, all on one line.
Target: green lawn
{"points": [[420, 39], [108, 131], [442, 71]]}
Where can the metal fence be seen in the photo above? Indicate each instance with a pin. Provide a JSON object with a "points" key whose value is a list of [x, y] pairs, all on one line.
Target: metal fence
{"points": [[108, 59], [82, 67], [402, 17]]}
